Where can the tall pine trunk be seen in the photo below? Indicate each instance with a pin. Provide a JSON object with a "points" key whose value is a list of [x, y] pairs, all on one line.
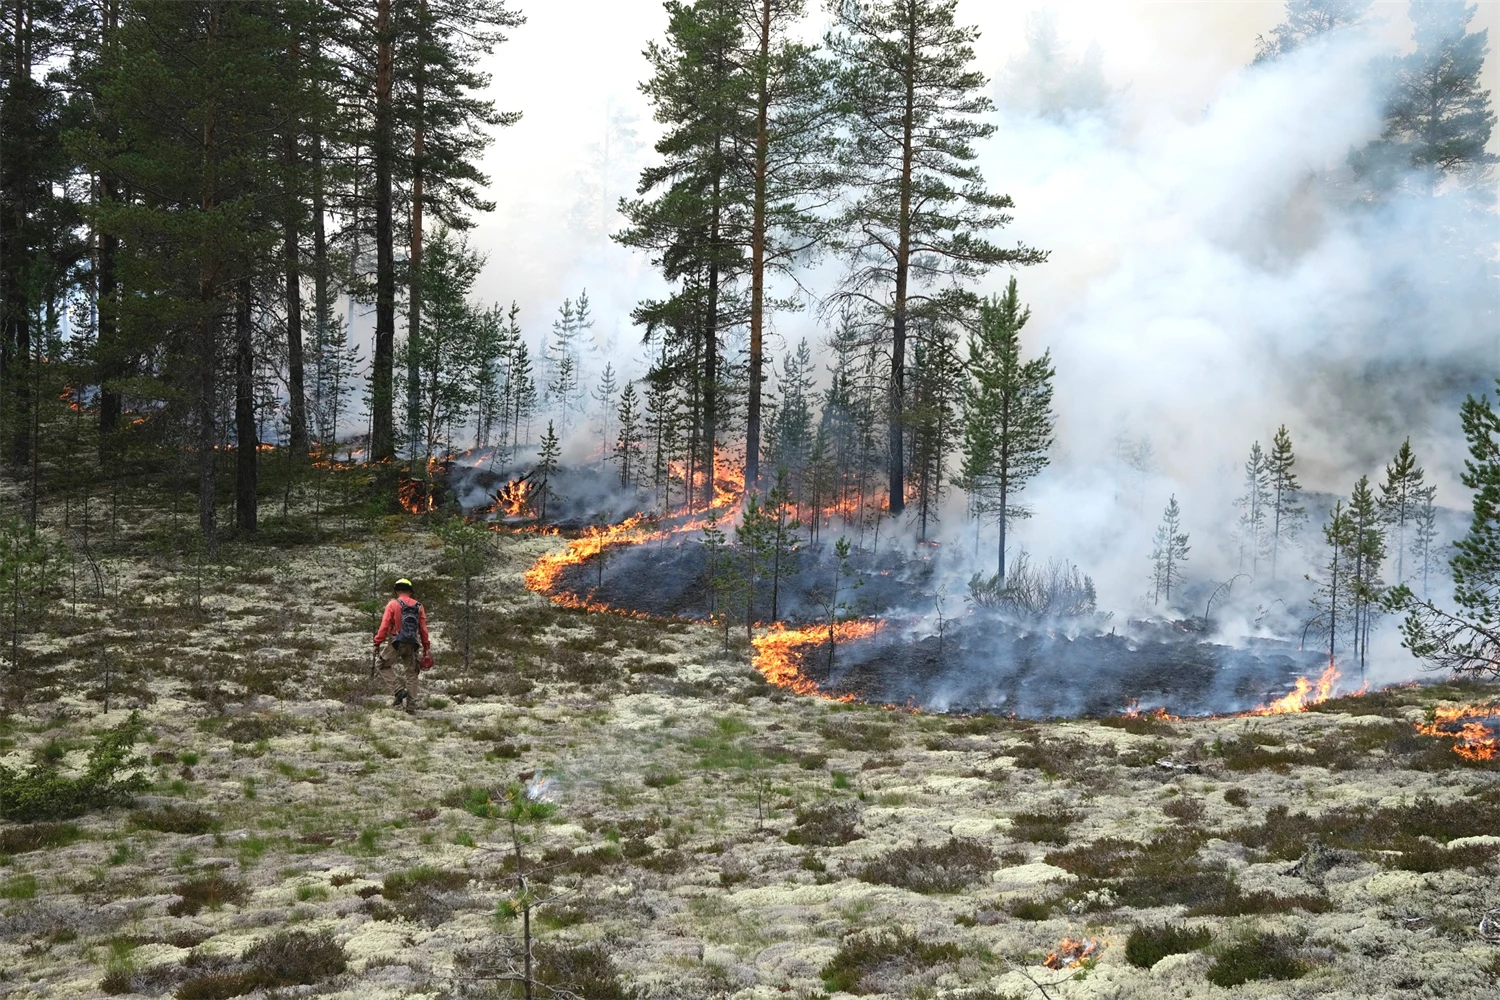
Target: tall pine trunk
{"points": [[296, 384], [758, 227], [414, 308], [110, 403], [897, 497], [322, 304], [711, 357], [382, 436], [246, 451], [17, 190]]}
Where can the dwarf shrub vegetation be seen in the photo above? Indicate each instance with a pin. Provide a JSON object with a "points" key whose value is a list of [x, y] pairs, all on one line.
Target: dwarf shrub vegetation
{"points": [[43, 793]]}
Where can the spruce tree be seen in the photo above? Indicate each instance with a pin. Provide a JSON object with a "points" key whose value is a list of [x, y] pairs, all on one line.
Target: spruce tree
{"points": [[627, 446], [546, 468], [918, 213], [1466, 640], [1286, 514], [604, 395], [1169, 551], [447, 352], [521, 394], [1400, 497], [1255, 506], [781, 530], [1007, 418]]}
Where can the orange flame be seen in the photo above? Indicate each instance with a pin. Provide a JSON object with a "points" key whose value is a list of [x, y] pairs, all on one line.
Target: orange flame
{"points": [[514, 499], [778, 652], [415, 496], [1304, 694], [543, 576], [1073, 952], [1473, 740]]}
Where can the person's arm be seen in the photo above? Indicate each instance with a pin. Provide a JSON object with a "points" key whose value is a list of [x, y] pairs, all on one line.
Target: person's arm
{"points": [[422, 630], [388, 623]]}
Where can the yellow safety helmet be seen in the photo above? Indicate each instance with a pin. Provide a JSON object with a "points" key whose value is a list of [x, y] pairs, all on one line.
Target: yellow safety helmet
{"points": [[403, 582]]}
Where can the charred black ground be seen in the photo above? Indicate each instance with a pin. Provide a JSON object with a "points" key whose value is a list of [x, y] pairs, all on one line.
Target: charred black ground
{"points": [[967, 658]]}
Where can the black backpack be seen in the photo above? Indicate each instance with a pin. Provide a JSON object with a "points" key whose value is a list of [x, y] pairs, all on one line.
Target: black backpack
{"points": [[410, 623]]}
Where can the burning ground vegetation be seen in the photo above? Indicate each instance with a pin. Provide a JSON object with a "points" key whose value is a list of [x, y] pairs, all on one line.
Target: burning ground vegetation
{"points": [[210, 798]]}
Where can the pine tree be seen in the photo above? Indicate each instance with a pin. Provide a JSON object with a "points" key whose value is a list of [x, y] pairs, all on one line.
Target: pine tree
{"points": [[1366, 553], [1340, 533], [447, 350], [1400, 496], [521, 395], [200, 223], [781, 532], [565, 361], [790, 435], [1286, 513], [604, 395], [1438, 118], [546, 469], [1424, 533], [1255, 506], [789, 152], [1307, 20], [441, 43], [754, 536], [661, 428], [931, 422], [628, 441], [1466, 640], [1008, 417], [1168, 553], [700, 92], [919, 211]]}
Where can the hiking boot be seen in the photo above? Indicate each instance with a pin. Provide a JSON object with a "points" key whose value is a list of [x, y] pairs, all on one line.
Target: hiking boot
{"points": [[400, 698], [410, 708]]}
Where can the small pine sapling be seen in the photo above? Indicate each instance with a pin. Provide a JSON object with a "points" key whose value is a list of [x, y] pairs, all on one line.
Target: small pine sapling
{"points": [[1169, 552]]}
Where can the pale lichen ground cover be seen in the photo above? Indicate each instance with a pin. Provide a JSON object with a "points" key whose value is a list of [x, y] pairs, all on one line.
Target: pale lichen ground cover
{"points": [[714, 837]]}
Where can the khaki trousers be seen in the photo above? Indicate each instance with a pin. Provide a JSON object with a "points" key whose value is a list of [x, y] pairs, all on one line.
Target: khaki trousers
{"points": [[393, 654]]}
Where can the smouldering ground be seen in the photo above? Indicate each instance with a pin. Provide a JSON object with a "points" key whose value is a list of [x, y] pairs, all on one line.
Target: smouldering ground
{"points": [[715, 837]]}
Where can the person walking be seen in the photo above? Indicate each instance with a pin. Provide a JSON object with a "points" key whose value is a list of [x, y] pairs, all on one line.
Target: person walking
{"points": [[403, 628]]}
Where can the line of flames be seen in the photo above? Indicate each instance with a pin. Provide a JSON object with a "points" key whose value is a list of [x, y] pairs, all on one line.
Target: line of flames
{"points": [[1473, 740], [778, 651]]}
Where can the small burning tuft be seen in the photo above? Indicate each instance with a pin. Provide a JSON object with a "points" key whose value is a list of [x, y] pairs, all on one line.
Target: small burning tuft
{"points": [[1072, 953]]}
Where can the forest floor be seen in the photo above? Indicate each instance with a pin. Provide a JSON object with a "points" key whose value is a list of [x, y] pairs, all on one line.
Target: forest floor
{"points": [[714, 836]]}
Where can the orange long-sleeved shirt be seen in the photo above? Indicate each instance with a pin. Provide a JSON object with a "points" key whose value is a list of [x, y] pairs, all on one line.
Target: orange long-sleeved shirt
{"points": [[390, 623]]}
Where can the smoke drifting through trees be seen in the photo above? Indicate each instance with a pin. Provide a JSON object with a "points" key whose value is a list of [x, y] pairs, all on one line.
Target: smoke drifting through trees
{"points": [[1214, 276]]}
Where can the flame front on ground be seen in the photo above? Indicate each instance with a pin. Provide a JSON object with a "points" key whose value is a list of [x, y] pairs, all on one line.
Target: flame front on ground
{"points": [[1473, 740], [779, 651], [1304, 694]]}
